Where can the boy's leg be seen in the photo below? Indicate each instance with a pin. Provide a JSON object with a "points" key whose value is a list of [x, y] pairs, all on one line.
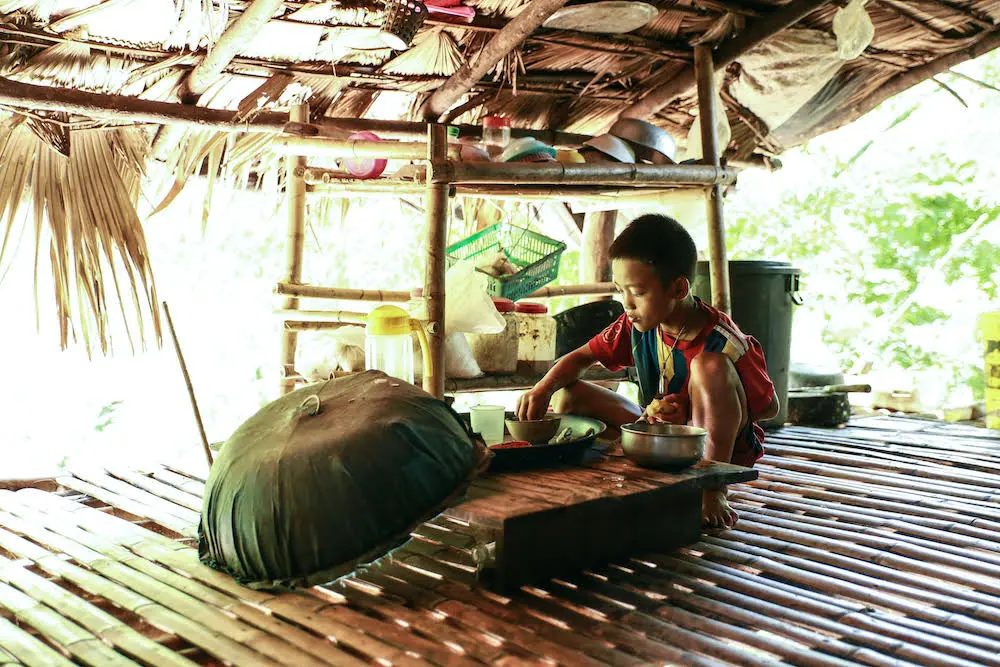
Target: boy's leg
{"points": [[718, 405], [590, 400]]}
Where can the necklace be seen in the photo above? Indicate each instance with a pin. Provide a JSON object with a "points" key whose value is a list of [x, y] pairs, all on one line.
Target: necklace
{"points": [[667, 356]]}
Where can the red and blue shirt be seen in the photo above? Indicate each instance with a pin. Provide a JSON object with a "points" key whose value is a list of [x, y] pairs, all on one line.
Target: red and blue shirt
{"points": [[662, 366]]}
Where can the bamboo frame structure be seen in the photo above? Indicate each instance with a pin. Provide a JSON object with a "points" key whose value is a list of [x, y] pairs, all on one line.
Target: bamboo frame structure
{"points": [[718, 263], [598, 233], [325, 146], [435, 256], [296, 193], [573, 290], [636, 175]]}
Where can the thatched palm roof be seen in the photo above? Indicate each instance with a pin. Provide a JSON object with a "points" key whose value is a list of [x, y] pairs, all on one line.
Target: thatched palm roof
{"points": [[783, 84]]}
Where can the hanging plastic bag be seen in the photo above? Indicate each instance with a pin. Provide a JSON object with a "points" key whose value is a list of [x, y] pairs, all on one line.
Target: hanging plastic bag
{"points": [[468, 306], [723, 133], [853, 28]]}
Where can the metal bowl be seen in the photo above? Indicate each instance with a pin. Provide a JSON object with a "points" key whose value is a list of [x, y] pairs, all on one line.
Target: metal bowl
{"points": [[612, 147], [651, 143], [663, 445]]}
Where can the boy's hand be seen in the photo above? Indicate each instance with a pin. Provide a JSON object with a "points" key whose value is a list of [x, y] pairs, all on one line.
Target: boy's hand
{"points": [[670, 409], [715, 509], [533, 404]]}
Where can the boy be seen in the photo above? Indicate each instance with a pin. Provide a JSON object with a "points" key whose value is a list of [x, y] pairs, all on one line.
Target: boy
{"points": [[693, 363]]}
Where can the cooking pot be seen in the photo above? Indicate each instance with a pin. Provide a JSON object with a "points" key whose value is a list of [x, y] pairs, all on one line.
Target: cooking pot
{"points": [[663, 445], [827, 406]]}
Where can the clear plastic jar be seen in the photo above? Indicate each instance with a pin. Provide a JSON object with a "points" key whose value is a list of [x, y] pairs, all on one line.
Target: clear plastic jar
{"points": [[536, 338], [496, 134], [496, 354]]}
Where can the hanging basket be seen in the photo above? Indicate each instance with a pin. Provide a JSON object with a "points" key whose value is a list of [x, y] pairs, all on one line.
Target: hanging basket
{"points": [[403, 19]]}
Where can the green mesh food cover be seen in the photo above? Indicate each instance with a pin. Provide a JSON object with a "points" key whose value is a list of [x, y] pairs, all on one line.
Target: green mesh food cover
{"points": [[330, 476]]}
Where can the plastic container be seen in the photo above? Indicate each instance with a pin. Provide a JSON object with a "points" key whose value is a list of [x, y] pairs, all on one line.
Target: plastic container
{"points": [[496, 134], [536, 339], [576, 326], [989, 325], [388, 346], [496, 354], [764, 295], [488, 421], [535, 256]]}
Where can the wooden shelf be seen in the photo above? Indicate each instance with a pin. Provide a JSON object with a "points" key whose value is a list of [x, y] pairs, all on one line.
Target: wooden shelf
{"points": [[515, 382]]}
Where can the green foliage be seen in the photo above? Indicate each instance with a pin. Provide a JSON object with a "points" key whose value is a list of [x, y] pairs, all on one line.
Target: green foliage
{"points": [[881, 252], [106, 416]]}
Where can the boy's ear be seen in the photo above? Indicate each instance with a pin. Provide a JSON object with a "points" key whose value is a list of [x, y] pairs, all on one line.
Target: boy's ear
{"points": [[681, 288]]}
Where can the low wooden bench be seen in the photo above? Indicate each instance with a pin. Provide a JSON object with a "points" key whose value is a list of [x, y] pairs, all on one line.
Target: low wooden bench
{"points": [[532, 525]]}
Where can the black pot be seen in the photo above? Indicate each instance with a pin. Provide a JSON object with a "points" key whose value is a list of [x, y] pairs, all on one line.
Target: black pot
{"points": [[576, 326]]}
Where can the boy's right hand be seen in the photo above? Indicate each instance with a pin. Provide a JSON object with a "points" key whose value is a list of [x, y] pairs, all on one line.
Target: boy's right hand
{"points": [[533, 404]]}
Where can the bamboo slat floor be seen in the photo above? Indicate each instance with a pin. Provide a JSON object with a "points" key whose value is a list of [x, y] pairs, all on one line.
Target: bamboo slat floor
{"points": [[876, 544]]}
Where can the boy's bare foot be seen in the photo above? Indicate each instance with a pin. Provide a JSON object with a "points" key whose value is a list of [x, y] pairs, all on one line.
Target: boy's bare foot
{"points": [[715, 509]]}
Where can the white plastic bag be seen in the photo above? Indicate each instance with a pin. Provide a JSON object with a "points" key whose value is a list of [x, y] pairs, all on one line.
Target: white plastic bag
{"points": [[723, 133], [853, 28], [458, 359], [468, 306]]}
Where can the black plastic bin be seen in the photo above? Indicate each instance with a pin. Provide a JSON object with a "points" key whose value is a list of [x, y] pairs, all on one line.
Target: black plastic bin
{"points": [[764, 295]]}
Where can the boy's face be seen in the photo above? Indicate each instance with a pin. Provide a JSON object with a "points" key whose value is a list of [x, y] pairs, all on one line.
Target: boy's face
{"points": [[647, 302]]}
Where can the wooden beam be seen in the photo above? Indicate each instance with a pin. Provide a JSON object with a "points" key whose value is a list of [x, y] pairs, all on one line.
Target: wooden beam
{"points": [[235, 37], [580, 174], [295, 194], [717, 260], [598, 233], [434, 273], [730, 50], [133, 109], [502, 43], [905, 80]]}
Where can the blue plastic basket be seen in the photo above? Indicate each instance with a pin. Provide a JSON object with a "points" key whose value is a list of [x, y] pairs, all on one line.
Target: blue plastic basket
{"points": [[535, 256]]}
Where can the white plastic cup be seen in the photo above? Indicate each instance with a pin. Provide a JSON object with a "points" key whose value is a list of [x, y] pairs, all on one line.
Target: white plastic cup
{"points": [[487, 421]]}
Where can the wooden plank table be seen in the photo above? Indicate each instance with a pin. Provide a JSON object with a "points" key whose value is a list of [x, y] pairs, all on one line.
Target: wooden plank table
{"points": [[534, 524]]}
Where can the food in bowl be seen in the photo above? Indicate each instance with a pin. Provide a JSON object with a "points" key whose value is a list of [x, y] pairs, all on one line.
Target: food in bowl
{"points": [[535, 431]]}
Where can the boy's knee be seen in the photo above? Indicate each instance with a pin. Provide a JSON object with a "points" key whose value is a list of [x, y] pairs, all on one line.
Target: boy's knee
{"points": [[562, 401], [712, 368]]}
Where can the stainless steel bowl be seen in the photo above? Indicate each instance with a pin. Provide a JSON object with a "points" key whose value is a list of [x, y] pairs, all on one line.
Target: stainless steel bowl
{"points": [[651, 143], [663, 445]]}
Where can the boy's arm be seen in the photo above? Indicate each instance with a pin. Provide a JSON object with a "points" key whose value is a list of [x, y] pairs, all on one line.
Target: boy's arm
{"points": [[534, 403]]}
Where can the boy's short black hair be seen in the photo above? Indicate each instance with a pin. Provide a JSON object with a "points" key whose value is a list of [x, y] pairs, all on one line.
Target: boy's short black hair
{"points": [[660, 241]]}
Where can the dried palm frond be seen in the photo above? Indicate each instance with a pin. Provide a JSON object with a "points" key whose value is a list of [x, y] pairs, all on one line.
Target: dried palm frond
{"points": [[73, 65], [84, 207], [52, 128], [507, 8], [334, 12], [366, 57], [563, 58], [433, 52], [198, 23]]}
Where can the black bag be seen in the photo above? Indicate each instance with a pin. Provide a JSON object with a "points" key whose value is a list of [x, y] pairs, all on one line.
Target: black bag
{"points": [[331, 476]]}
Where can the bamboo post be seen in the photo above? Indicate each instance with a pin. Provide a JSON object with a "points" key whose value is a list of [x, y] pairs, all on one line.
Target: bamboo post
{"points": [[295, 187], [190, 387], [598, 233], [434, 274], [717, 261]]}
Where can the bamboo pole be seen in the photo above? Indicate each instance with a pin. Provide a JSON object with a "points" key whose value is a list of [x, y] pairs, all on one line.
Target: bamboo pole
{"points": [[556, 173], [295, 188], [610, 196], [238, 34], [324, 146], [434, 275], [190, 387], [598, 233], [759, 30], [340, 128], [506, 40], [717, 261], [298, 325], [316, 292], [573, 290], [341, 316]]}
